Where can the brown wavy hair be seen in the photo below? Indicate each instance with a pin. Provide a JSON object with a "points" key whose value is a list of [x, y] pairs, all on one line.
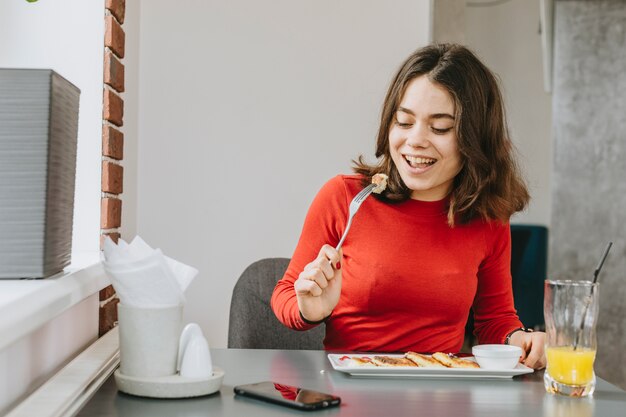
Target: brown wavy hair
{"points": [[489, 185]]}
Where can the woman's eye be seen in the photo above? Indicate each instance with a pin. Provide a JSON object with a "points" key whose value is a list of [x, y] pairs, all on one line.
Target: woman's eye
{"points": [[440, 131], [403, 125]]}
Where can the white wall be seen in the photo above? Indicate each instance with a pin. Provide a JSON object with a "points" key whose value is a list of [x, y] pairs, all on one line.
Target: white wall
{"points": [[68, 37], [506, 37], [245, 109]]}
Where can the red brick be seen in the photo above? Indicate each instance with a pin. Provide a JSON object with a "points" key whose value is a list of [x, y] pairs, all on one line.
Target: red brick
{"points": [[113, 235], [112, 178], [108, 316], [114, 36], [112, 143], [117, 9], [113, 108], [110, 213], [113, 72], [107, 293]]}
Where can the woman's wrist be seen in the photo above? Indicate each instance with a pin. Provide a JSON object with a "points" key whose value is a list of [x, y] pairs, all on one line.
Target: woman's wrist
{"points": [[307, 321], [511, 335]]}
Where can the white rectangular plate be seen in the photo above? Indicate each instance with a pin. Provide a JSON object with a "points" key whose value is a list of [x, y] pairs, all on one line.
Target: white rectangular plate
{"points": [[419, 372]]}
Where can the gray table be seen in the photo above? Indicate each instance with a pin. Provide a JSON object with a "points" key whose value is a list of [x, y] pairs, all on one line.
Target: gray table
{"points": [[521, 396]]}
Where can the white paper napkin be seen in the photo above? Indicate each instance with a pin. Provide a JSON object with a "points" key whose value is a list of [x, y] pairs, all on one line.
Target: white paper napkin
{"points": [[144, 277]]}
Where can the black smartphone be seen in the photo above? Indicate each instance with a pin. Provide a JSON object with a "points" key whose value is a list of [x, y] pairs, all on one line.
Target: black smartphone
{"points": [[290, 396]]}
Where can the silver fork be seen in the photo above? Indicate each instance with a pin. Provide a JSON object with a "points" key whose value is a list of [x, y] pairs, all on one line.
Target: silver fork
{"points": [[354, 207]]}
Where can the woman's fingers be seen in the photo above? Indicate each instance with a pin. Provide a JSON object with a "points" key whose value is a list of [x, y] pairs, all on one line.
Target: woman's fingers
{"points": [[326, 261], [534, 351], [320, 277], [316, 276], [535, 358], [318, 287], [306, 286], [314, 279], [329, 254], [326, 269]]}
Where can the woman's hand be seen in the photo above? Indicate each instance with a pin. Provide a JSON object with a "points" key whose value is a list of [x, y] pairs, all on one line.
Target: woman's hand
{"points": [[318, 287], [533, 348]]}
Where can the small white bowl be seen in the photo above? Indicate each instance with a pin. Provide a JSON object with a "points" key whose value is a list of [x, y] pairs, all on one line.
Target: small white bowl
{"points": [[497, 356]]}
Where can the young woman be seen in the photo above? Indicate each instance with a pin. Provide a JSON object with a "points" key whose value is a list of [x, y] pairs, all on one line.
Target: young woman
{"points": [[436, 242]]}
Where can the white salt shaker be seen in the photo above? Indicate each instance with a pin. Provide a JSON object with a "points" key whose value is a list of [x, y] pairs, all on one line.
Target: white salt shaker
{"points": [[194, 357]]}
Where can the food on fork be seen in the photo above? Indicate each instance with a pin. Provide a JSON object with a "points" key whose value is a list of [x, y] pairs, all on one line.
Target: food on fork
{"points": [[454, 362], [424, 361], [392, 361], [381, 183]]}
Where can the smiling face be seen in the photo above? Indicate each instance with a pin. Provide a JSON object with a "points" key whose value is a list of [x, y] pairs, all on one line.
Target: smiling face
{"points": [[423, 142]]}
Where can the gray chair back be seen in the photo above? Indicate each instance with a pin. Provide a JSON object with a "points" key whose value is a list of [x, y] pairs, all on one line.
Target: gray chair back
{"points": [[253, 324]]}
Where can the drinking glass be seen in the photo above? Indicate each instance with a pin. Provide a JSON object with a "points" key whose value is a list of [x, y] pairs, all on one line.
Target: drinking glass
{"points": [[571, 314]]}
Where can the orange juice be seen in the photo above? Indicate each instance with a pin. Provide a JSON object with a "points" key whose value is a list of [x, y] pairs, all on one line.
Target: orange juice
{"points": [[569, 366]]}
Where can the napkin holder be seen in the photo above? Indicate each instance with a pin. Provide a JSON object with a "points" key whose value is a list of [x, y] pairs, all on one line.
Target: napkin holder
{"points": [[149, 355], [172, 386]]}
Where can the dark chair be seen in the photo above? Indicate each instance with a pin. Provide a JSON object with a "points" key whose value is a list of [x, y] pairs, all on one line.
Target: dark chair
{"points": [[529, 264], [529, 268], [253, 324]]}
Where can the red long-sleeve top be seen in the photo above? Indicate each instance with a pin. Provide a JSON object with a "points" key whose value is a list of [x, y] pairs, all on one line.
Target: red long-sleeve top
{"points": [[409, 279]]}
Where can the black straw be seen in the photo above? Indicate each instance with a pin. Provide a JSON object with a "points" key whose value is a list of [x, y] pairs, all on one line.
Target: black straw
{"points": [[599, 267], [589, 298]]}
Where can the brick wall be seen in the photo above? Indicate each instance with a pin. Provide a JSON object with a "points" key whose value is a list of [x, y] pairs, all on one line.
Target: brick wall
{"points": [[112, 144]]}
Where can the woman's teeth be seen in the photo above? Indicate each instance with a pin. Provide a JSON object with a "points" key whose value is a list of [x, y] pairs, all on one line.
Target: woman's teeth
{"points": [[418, 162]]}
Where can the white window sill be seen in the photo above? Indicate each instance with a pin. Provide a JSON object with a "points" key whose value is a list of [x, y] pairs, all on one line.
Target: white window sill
{"points": [[26, 305], [69, 390]]}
